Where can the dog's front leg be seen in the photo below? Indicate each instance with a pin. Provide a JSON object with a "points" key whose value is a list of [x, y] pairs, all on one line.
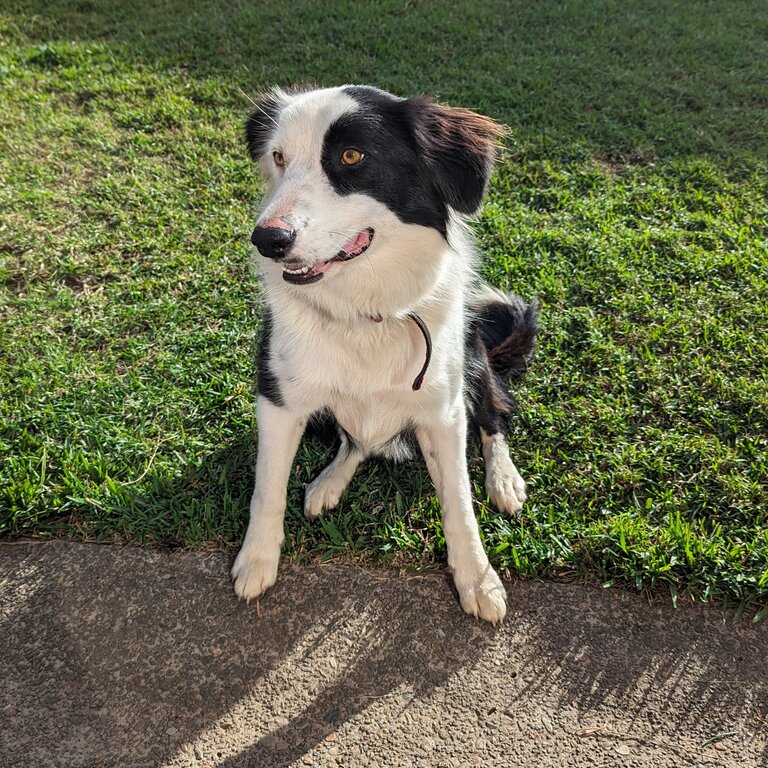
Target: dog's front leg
{"points": [[255, 568], [444, 447]]}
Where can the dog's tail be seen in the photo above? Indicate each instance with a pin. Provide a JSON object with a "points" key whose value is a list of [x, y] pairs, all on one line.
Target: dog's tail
{"points": [[507, 327]]}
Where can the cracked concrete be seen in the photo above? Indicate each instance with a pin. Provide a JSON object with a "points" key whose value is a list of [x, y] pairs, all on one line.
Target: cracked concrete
{"points": [[132, 658]]}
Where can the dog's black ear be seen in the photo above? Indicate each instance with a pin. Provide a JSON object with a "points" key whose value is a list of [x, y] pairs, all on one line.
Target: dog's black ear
{"points": [[262, 122], [459, 147]]}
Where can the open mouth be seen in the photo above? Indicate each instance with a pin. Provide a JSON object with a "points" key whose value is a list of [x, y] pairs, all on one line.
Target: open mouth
{"points": [[300, 274]]}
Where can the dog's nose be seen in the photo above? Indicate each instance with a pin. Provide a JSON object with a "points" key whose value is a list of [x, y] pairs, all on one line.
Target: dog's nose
{"points": [[273, 242]]}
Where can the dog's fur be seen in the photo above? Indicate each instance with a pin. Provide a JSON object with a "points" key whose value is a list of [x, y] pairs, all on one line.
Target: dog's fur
{"points": [[357, 244]]}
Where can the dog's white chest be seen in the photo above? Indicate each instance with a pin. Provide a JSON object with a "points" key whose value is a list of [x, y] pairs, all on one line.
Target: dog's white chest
{"points": [[363, 376]]}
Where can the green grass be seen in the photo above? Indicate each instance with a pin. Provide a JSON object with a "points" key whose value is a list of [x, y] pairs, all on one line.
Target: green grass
{"points": [[632, 202]]}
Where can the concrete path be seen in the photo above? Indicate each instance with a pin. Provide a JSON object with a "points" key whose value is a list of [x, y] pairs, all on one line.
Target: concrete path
{"points": [[127, 657]]}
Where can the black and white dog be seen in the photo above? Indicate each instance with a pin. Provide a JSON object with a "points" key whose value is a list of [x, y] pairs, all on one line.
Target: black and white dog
{"points": [[374, 313]]}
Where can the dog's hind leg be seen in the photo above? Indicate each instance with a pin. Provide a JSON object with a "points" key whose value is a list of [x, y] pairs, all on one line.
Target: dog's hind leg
{"points": [[490, 410], [325, 490], [499, 347], [503, 484]]}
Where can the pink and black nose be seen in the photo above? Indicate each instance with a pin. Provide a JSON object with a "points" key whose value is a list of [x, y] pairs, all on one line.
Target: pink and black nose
{"points": [[274, 242]]}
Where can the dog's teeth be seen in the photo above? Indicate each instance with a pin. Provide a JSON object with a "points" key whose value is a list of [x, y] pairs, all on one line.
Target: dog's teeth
{"points": [[299, 271]]}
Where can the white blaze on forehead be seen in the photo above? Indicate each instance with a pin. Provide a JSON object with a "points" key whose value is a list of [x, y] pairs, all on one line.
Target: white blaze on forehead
{"points": [[305, 120], [299, 134]]}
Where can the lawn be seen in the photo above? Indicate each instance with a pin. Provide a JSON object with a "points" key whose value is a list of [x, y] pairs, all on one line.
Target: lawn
{"points": [[632, 200]]}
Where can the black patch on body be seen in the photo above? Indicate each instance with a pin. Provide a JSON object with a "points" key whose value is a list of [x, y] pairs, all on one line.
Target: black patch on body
{"points": [[268, 384], [500, 343], [324, 427]]}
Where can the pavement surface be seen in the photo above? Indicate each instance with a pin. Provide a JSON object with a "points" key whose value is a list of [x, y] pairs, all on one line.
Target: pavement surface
{"points": [[129, 657]]}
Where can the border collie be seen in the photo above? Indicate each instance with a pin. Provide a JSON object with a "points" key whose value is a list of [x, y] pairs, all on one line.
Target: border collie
{"points": [[375, 316]]}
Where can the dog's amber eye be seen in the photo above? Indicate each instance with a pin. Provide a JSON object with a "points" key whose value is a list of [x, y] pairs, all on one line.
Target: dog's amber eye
{"points": [[278, 158], [351, 156]]}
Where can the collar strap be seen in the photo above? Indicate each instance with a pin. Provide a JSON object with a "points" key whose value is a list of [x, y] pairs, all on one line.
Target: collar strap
{"points": [[422, 326], [419, 380]]}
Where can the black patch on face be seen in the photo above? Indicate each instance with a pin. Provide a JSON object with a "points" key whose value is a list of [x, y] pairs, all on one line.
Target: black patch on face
{"points": [[391, 171], [420, 158], [268, 383]]}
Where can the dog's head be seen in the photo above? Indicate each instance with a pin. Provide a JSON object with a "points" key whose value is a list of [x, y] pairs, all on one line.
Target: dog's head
{"points": [[355, 170]]}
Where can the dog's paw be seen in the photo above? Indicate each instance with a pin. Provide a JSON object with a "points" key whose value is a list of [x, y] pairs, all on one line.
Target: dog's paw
{"points": [[321, 494], [482, 594], [504, 486], [254, 573]]}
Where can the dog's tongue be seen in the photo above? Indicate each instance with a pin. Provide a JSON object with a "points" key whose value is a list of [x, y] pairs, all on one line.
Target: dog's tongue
{"points": [[351, 248], [293, 270], [357, 243]]}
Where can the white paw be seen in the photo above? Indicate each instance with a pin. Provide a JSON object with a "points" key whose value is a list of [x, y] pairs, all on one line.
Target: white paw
{"points": [[504, 486], [321, 494], [482, 594], [254, 572]]}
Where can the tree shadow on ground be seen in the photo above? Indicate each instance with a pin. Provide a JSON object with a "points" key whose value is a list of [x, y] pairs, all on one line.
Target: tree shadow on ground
{"points": [[136, 658], [621, 81], [127, 655]]}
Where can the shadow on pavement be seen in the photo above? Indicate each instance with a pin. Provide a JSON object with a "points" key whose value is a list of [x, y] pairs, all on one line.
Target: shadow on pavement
{"points": [[122, 656]]}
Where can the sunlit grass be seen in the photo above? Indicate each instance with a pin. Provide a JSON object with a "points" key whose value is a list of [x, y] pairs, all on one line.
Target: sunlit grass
{"points": [[632, 202]]}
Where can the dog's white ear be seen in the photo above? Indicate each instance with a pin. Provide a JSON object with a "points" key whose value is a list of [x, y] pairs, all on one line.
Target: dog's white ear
{"points": [[262, 121], [459, 147]]}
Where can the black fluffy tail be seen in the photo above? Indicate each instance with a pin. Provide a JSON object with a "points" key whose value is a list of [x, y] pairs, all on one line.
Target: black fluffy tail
{"points": [[507, 327], [502, 335]]}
